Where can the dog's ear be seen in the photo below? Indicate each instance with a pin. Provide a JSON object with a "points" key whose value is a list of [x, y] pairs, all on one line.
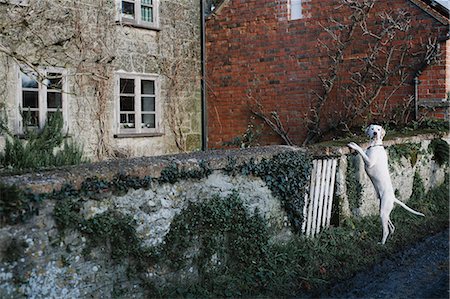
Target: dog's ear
{"points": [[367, 130], [383, 133]]}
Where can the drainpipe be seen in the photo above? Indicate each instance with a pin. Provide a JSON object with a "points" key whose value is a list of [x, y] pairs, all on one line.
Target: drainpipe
{"points": [[203, 76], [416, 97]]}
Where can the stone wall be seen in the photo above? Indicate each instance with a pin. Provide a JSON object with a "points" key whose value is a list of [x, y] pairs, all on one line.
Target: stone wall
{"points": [[407, 157], [104, 235], [86, 39]]}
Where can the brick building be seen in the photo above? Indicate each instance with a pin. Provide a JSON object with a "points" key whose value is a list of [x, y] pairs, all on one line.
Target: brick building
{"points": [[312, 64]]}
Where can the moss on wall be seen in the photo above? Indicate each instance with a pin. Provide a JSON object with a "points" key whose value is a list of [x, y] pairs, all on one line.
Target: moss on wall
{"points": [[354, 188]]}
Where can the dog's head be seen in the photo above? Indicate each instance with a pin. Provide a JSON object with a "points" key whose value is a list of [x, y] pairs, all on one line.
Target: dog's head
{"points": [[375, 132]]}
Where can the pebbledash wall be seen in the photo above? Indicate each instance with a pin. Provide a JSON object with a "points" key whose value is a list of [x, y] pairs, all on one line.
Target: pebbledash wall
{"points": [[41, 260]]}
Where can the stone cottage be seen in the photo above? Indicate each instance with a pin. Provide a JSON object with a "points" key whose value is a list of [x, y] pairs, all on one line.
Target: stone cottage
{"points": [[310, 69], [124, 74]]}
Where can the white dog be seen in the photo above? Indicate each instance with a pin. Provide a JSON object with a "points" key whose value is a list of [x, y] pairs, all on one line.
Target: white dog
{"points": [[376, 165]]}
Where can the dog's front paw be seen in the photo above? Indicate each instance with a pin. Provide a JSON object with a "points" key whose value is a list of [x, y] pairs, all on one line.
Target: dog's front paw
{"points": [[353, 145]]}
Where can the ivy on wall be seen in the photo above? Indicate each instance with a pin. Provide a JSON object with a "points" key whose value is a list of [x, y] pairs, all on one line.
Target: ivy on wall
{"points": [[440, 150], [354, 188], [286, 175]]}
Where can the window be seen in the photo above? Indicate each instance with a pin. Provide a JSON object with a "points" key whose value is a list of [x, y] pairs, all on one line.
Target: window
{"points": [[295, 9], [138, 103], [40, 96], [16, 2], [139, 12]]}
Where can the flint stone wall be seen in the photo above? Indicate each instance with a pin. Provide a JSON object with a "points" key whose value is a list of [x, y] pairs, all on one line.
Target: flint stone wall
{"points": [[48, 264]]}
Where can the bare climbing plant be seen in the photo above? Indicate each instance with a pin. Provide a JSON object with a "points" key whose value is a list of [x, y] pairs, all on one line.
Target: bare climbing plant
{"points": [[389, 61], [180, 67], [74, 35]]}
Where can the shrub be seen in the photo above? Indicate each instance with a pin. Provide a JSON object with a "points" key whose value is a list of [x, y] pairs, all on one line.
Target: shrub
{"points": [[41, 148]]}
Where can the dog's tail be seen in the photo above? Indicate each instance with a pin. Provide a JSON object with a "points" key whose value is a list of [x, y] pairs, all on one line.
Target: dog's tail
{"points": [[408, 208]]}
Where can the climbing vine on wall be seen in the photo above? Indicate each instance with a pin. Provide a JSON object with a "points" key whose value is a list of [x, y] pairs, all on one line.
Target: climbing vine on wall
{"points": [[353, 185], [287, 176]]}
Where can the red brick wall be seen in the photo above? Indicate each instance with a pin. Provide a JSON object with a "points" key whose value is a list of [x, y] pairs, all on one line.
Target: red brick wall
{"points": [[434, 86], [433, 83], [254, 53], [446, 52]]}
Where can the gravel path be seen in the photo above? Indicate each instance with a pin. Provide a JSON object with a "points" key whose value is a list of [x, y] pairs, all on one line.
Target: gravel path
{"points": [[421, 271]]}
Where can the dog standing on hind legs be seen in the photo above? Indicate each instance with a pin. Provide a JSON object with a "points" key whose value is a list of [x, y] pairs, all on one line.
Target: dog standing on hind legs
{"points": [[376, 166]]}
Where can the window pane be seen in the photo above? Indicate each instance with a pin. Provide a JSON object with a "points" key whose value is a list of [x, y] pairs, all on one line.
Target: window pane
{"points": [[28, 81], [147, 87], [128, 9], [126, 103], [127, 86], [54, 100], [127, 121], [148, 121], [54, 81], [149, 2], [147, 14], [30, 118], [30, 99], [148, 104], [296, 9]]}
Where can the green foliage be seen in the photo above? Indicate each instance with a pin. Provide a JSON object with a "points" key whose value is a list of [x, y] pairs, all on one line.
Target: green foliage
{"points": [[298, 266], [426, 125], [354, 188], [440, 150], [14, 250], [110, 229], [418, 188], [16, 206], [304, 265], [95, 187], [115, 230], [287, 176], [223, 236], [410, 151], [172, 173], [67, 209], [38, 150]]}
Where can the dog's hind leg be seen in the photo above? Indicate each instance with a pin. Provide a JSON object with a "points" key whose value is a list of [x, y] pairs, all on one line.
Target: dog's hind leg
{"points": [[391, 226], [385, 225]]}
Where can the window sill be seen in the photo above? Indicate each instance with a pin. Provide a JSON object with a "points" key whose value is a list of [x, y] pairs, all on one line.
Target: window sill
{"points": [[434, 103], [135, 25], [137, 135], [25, 137]]}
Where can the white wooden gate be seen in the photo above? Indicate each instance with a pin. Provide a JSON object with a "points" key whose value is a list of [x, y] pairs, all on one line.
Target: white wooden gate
{"points": [[319, 199]]}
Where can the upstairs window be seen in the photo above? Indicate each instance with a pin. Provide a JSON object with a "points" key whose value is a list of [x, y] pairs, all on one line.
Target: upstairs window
{"points": [[138, 104], [295, 9], [139, 12], [40, 96]]}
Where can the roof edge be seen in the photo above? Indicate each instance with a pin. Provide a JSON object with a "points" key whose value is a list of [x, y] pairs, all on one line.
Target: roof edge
{"points": [[429, 8], [219, 8]]}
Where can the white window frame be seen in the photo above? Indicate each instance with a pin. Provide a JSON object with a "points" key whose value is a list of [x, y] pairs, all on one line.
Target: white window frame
{"points": [[295, 9], [138, 130], [137, 20], [42, 97], [16, 2]]}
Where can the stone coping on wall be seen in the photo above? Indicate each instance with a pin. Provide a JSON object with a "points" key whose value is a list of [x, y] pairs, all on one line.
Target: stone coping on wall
{"points": [[339, 150], [54, 179]]}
